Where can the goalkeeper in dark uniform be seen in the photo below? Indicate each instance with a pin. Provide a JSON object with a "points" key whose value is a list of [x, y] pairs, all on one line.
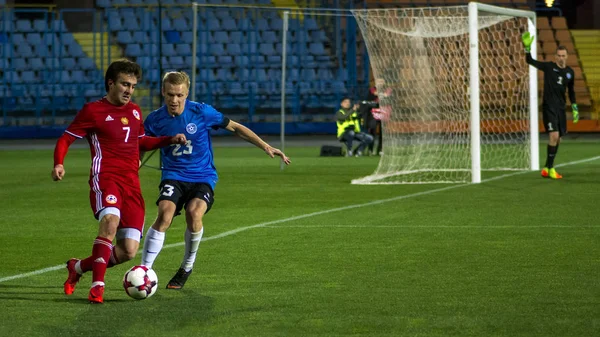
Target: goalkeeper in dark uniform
{"points": [[557, 77]]}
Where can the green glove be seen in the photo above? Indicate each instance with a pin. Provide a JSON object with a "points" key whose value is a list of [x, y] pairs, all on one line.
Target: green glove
{"points": [[575, 113], [527, 41]]}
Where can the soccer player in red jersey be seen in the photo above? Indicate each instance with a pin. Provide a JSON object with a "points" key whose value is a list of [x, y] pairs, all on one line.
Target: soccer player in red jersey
{"points": [[114, 129]]}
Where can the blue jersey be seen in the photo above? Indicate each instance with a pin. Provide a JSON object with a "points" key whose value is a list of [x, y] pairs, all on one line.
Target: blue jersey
{"points": [[192, 162]]}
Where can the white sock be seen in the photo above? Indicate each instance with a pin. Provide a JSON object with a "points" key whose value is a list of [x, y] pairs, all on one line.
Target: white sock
{"points": [[153, 243], [192, 242]]}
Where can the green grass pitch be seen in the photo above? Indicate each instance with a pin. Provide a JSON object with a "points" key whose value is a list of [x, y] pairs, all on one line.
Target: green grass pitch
{"points": [[302, 252]]}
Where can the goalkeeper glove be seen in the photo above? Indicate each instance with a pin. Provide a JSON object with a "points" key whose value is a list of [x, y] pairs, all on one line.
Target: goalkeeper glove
{"points": [[527, 41], [575, 112]]}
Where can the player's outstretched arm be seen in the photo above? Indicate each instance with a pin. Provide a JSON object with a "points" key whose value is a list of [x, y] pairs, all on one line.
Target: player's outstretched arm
{"points": [[527, 39], [60, 152], [251, 137], [148, 143]]}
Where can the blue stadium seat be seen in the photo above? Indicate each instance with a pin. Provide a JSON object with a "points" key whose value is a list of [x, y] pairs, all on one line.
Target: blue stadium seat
{"points": [[229, 24], [164, 62], [293, 74], [224, 74], [235, 88], [58, 26], [318, 36], [187, 60], [78, 76], [236, 37], [52, 63], [187, 37], [17, 39], [266, 49], [168, 49], [119, 2], [181, 25], [269, 37], [241, 61], [276, 24], [219, 37], [140, 36], [75, 50], [225, 61], [24, 50], [300, 36], [217, 49], [86, 63], [33, 38], [308, 74], [262, 24], [131, 24], [67, 63], [211, 25], [19, 64], [177, 62], [149, 49], [310, 24], [134, 50], [124, 37], [24, 26], [144, 61], [317, 49], [103, 3], [166, 24], [242, 74], [221, 13], [261, 75], [28, 76], [245, 24], [183, 49], [233, 49], [40, 25], [36, 63]]}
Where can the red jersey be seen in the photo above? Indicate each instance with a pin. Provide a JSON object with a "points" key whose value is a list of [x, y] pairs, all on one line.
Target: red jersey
{"points": [[113, 133]]}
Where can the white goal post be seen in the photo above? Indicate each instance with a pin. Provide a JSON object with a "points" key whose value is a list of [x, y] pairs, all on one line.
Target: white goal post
{"points": [[445, 122]]}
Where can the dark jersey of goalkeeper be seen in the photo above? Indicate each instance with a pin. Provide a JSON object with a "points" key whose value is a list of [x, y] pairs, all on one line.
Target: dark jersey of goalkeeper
{"points": [[557, 78]]}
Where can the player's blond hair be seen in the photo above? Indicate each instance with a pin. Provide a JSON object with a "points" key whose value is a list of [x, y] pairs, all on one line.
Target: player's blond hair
{"points": [[176, 78]]}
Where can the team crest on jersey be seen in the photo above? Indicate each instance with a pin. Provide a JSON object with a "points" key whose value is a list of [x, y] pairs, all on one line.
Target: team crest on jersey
{"points": [[111, 199], [136, 114], [191, 128], [124, 120], [569, 75]]}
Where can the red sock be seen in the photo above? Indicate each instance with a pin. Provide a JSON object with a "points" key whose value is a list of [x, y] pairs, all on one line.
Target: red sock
{"points": [[113, 261], [100, 255]]}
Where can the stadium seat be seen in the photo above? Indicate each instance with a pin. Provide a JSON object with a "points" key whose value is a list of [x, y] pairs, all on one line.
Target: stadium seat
{"points": [[310, 24], [546, 35], [176, 62], [559, 22], [181, 25], [276, 24], [124, 37], [229, 25], [317, 49], [262, 25], [28, 76], [86, 63], [219, 37], [542, 23], [58, 26], [183, 49], [103, 3], [40, 26], [269, 37], [211, 25], [139, 37], [144, 61], [17, 39], [134, 50], [266, 49], [187, 37], [236, 37], [23, 50], [318, 36], [19, 64], [35, 63], [168, 49], [67, 63], [24, 26]]}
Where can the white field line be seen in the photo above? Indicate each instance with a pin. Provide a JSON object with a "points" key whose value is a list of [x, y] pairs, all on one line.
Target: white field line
{"points": [[309, 215]]}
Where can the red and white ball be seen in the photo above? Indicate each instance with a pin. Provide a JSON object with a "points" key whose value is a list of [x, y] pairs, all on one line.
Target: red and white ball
{"points": [[140, 282]]}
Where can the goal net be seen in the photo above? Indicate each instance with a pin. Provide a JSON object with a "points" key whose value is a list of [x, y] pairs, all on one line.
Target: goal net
{"points": [[443, 121]]}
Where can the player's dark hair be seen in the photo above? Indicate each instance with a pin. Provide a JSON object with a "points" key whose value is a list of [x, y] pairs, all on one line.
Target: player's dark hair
{"points": [[561, 48], [122, 66], [345, 98]]}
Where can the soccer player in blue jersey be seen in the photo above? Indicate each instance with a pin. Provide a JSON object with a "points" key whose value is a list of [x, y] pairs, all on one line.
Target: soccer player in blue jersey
{"points": [[188, 172]]}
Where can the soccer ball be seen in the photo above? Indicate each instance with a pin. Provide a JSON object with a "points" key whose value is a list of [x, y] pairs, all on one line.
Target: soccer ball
{"points": [[140, 282]]}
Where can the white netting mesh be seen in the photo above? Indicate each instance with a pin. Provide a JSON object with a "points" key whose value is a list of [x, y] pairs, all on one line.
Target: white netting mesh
{"points": [[421, 57]]}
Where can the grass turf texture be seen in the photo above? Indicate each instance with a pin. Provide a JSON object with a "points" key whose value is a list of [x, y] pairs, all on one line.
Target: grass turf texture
{"points": [[517, 256]]}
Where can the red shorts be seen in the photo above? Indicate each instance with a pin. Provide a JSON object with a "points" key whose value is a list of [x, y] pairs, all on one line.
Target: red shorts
{"points": [[111, 193]]}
